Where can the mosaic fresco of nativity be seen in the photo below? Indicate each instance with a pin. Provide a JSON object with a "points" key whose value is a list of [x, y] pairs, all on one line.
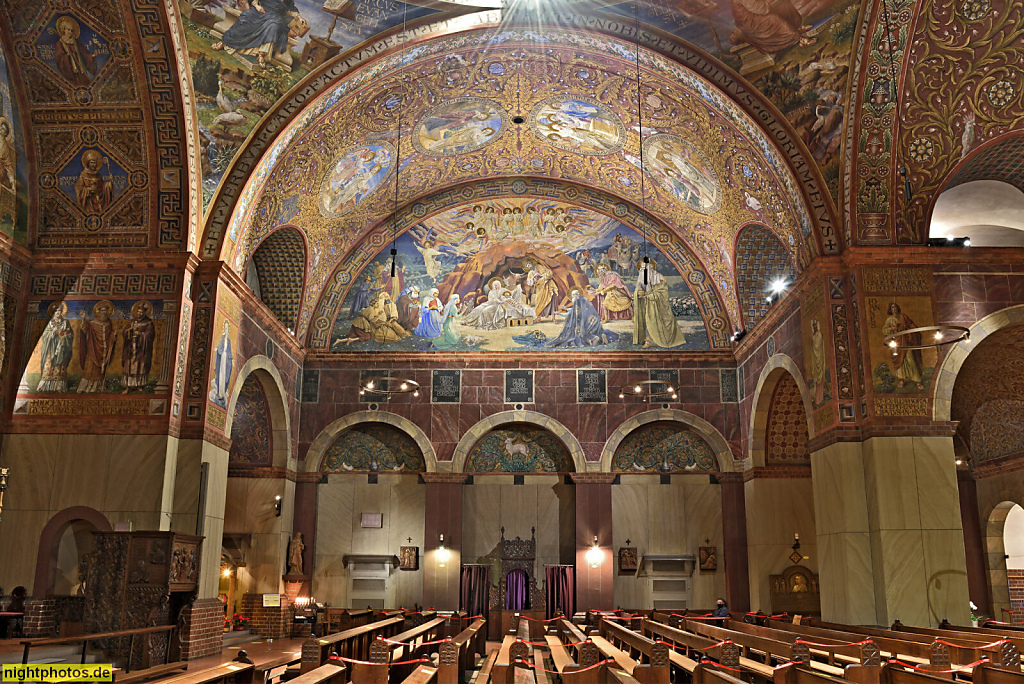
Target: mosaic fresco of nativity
{"points": [[524, 275]]}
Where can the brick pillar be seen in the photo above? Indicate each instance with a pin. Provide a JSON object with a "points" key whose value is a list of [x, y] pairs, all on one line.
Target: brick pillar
{"points": [[443, 516], [202, 629], [270, 622], [734, 538], [40, 617], [594, 586]]}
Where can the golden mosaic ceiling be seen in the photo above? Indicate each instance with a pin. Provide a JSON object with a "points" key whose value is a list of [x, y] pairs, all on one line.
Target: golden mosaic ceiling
{"points": [[514, 103]]}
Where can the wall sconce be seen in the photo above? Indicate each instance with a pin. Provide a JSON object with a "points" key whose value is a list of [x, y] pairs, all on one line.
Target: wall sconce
{"points": [[277, 506], [442, 554], [594, 555], [3, 486], [226, 572]]}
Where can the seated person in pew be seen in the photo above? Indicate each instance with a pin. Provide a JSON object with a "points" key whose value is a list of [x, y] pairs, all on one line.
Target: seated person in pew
{"points": [[721, 611]]}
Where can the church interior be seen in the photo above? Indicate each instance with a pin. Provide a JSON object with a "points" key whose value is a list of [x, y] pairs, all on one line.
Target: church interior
{"points": [[513, 340]]}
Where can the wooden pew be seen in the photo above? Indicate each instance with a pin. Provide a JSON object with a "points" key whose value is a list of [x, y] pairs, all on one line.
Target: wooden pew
{"points": [[575, 663], [238, 671], [268, 671], [457, 656], [643, 659], [961, 634], [352, 643], [328, 673], [424, 674], [833, 650], [412, 645], [484, 675]]}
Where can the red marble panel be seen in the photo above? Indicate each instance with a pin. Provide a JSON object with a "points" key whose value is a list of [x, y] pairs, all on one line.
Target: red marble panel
{"points": [[947, 288], [973, 288]]}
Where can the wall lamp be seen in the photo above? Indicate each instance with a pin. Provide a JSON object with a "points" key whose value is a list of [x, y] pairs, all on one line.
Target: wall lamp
{"points": [[442, 554], [277, 506], [738, 335], [594, 555], [3, 486], [949, 241]]}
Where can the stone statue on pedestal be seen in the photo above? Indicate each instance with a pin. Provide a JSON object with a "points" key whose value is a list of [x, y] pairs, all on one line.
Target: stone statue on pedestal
{"points": [[295, 549]]}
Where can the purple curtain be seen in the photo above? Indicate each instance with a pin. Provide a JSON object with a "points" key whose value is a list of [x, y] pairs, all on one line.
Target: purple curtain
{"points": [[560, 590], [475, 590], [516, 592]]}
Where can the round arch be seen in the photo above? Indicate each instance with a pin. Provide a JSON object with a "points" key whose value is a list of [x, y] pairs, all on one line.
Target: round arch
{"points": [[326, 438], [475, 433], [772, 372], [995, 552], [945, 379], [714, 438], [280, 422], [49, 541]]}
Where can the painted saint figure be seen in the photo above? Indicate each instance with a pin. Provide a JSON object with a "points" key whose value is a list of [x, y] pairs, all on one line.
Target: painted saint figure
{"points": [[612, 299], [543, 291], [817, 362], [223, 360], [56, 348], [582, 327], [137, 347], [377, 322], [74, 61], [408, 306], [489, 314], [907, 363], [96, 342], [450, 336], [430, 316], [653, 320], [362, 297], [8, 155], [262, 30], [93, 191]]}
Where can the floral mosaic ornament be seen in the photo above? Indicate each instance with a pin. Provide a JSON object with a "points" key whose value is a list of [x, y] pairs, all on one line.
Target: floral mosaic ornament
{"points": [[663, 448], [250, 428], [374, 448], [519, 450]]}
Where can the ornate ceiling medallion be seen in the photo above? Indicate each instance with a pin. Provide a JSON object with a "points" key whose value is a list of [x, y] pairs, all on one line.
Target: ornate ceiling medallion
{"points": [[684, 172], [358, 173], [459, 126], [578, 124]]}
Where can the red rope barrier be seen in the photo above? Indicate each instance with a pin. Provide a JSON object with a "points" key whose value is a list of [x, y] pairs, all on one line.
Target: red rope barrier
{"points": [[410, 643], [527, 617], [693, 648], [547, 645], [726, 667], [961, 668], [818, 645], [366, 662], [527, 663], [992, 645]]}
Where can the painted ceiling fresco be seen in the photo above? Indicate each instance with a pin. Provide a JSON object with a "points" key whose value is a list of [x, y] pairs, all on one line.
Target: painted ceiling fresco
{"points": [[710, 168], [523, 275], [13, 171], [519, 449], [664, 448], [374, 448]]}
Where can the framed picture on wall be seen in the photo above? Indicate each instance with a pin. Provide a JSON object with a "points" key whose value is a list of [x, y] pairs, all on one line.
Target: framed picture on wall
{"points": [[627, 559], [409, 558], [371, 520], [707, 557]]}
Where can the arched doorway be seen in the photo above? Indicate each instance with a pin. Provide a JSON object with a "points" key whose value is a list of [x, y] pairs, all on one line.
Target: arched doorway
{"points": [[1013, 549], [64, 547]]}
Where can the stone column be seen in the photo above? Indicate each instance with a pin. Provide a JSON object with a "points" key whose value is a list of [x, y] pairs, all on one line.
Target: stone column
{"points": [[443, 516], [734, 540], [594, 585], [974, 542], [889, 531]]}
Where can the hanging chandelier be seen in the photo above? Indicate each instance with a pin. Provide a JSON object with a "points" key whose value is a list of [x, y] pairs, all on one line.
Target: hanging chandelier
{"points": [[390, 384], [650, 391]]}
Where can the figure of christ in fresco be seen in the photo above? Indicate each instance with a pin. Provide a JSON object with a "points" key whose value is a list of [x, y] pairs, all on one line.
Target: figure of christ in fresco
{"points": [[96, 342], [611, 298], [582, 327], [56, 348], [541, 289], [261, 30], [137, 347], [489, 314], [907, 363], [768, 25], [513, 304], [430, 259], [450, 336], [430, 316], [377, 322], [654, 324], [408, 306], [74, 61]]}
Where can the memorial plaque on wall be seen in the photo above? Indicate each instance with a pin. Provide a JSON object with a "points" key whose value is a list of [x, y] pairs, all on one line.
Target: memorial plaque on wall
{"points": [[668, 376], [446, 387], [727, 380], [310, 387], [591, 386], [519, 387], [371, 397]]}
